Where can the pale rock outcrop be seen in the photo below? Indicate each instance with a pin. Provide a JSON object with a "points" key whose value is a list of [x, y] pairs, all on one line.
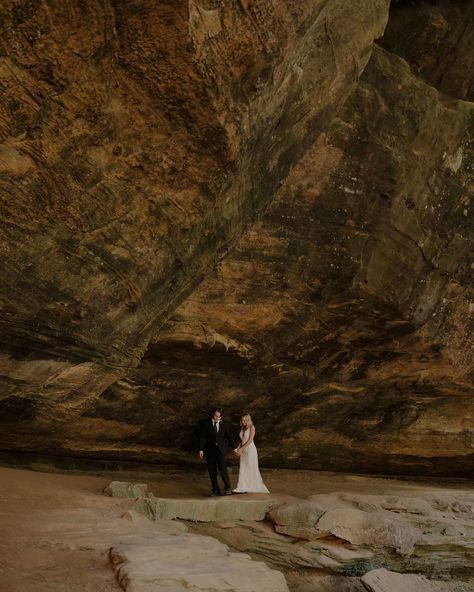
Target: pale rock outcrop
{"points": [[352, 533], [382, 580], [125, 489], [296, 519], [191, 562], [198, 510], [368, 529], [203, 510], [310, 521], [281, 551]]}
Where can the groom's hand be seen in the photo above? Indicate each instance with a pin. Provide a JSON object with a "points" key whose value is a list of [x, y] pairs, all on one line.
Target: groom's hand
{"points": [[201, 454]]}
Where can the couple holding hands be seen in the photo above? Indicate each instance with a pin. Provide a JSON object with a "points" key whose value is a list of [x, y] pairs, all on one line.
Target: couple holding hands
{"points": [[216, 440]]}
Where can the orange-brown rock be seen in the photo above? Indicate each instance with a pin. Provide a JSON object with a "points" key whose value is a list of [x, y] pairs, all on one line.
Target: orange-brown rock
{"points": [[330, 215], [436, 39], [342, 320], [138, 141]]}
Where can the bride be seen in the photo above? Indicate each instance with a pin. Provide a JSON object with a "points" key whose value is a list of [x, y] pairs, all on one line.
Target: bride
{"points": [[250, 480]]}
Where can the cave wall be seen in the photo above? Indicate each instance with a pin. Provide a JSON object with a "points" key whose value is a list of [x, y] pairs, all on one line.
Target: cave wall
{"points": [[139, 140], [343, 319], [280, 222]]}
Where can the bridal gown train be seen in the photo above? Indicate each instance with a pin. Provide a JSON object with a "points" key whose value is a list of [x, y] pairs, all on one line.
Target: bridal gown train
{"points": [[250, 480]]}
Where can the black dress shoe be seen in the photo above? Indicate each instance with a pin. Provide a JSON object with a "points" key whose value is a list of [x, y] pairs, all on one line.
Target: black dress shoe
{"points": [[214, 493], [228, 492]]}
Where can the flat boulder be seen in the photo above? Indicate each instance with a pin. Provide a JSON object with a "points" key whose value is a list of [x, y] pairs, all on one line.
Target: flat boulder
{"points": [[191, 562], [125, 489], [208, 510], [374, 529], [297, 519], [383, 580]]}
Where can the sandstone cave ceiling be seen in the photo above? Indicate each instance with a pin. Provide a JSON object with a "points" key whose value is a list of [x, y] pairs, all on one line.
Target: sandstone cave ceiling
{"points": [[260, 204]]}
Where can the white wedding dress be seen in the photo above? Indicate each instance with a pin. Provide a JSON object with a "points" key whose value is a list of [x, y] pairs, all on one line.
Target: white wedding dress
{"points": [[250, 480]]}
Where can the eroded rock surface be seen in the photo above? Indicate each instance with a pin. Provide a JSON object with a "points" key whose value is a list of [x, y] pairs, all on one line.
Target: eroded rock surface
{"points": [[321, 190], [138, 142], [349, 534], [191, 562], [382, 580], [343, 319], [199, 510]]}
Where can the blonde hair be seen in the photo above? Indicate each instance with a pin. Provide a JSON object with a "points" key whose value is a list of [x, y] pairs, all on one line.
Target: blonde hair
{"points": [[248, 417]]}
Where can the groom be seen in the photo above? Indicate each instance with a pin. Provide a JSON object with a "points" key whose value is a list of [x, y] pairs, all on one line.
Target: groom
{"points": [[215, 442]]}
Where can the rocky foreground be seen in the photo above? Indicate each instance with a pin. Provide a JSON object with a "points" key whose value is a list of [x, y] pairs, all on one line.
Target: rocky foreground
{"points": [[340, 533], [350, 536]]}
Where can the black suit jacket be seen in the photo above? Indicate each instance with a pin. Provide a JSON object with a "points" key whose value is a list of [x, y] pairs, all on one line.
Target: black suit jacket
{"points": [[212, 442]]}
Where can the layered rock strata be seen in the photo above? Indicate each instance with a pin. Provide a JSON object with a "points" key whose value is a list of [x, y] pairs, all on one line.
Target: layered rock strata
{"points": [[382, 580], [138, 141], [342, 320]]}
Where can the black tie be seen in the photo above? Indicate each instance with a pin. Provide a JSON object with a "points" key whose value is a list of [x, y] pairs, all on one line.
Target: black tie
{"points": [[215, 426]]}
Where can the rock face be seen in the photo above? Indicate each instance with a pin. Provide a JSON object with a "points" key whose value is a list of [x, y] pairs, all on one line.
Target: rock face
{"points": [[348, 333], [356, 319], [436, 40], [141, 143]]}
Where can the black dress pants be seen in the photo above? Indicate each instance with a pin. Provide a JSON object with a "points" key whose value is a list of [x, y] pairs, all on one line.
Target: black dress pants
{"points": [[216, 462]]}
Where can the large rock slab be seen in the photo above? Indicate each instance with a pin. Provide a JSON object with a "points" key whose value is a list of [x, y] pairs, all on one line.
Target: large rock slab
{"points": [[382, 580], [297, 519], [125, 489], [373, 529], [259, 539], [212, 510], [199, 510], [191, 562], [71, 537]]}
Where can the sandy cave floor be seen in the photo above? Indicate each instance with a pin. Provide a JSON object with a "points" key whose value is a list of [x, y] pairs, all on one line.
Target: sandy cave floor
{"points": [[55, 528]]}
